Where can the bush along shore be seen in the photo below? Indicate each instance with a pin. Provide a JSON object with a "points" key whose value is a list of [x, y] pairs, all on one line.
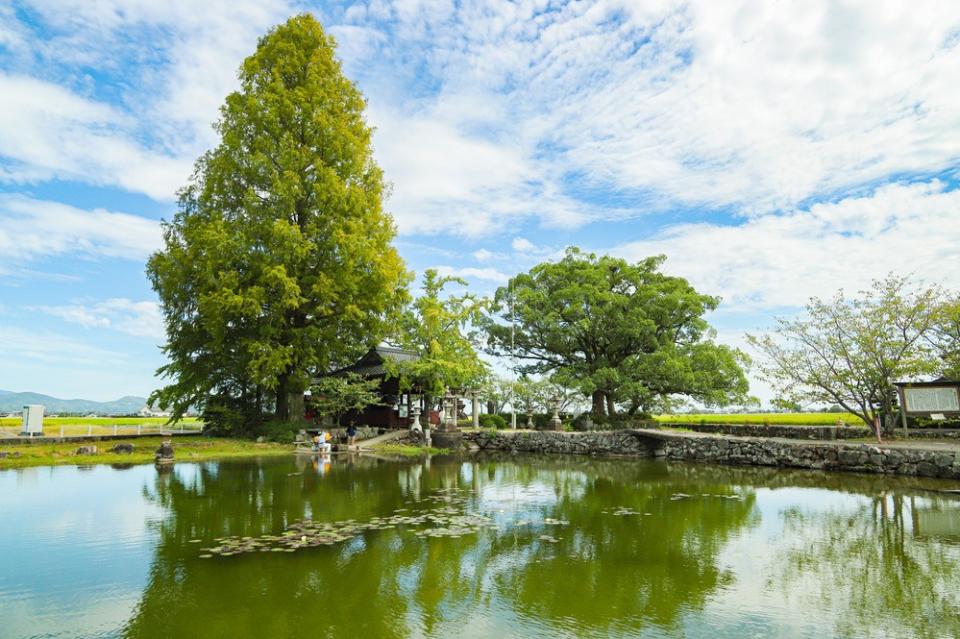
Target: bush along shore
{"points": [[132, 451]]}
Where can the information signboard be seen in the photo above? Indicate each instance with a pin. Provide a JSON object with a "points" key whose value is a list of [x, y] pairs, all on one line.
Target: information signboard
{"points": [[932, 399]]}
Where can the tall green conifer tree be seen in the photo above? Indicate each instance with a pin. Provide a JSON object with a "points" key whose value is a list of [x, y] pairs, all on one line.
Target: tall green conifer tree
{"points": [[279, 261]]}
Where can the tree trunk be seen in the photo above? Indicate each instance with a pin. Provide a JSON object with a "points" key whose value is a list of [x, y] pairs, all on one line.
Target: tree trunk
{"points": [[598, 409], [282, 408], [611, 407], [290, 405], [490, 407]]}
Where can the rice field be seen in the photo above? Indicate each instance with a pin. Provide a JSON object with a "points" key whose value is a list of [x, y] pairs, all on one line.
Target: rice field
{"points": [[777, 419], [73, 426]]}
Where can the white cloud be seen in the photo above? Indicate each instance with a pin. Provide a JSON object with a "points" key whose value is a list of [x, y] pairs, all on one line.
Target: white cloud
{"points": [[780, 261], [747, 104], [52, 349], [522, 245], [483, 255], [32, 229], [140, 319], [489, 274], [49, 132]]}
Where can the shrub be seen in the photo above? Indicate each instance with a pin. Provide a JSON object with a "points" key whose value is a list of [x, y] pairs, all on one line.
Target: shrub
{"points": [[492, 421], [281, 432]]}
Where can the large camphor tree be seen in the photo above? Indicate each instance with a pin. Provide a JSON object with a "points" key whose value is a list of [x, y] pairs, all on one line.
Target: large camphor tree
{"points": [[278, 263], [622, 333]]}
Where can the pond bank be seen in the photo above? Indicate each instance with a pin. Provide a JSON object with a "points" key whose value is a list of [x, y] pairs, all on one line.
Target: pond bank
{"points": [[924, 459], [143, 450]]}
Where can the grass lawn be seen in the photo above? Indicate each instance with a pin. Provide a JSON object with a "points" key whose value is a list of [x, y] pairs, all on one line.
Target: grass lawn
{"points": [[781, 419], [100, 425], [187, 449], [405, 450]]}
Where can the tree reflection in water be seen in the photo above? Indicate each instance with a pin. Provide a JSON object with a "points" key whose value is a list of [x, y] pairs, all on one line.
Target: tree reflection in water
{"points": [[865, 564], [606, 572], [606, 575]]}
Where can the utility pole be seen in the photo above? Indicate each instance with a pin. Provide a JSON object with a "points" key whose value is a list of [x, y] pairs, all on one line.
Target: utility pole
{"points": [[513, 362]]}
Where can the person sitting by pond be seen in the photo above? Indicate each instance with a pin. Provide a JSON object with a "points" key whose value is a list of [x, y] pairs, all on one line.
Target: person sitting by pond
{"points": [[323, 442], [351, 434]]}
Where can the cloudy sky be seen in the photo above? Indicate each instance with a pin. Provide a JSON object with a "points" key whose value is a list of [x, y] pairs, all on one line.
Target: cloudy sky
{"points": [[772, 150]]}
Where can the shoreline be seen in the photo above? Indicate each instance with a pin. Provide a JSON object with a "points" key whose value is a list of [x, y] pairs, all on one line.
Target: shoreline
{"points": [[187, 449]]}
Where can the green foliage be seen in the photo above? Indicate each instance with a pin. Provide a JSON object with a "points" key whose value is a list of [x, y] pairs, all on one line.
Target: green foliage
{"points": [[492, 421], [335, 396], [786, 405], [437, 328], [618, 332], [850, 351], [278, 263], [945, 338], [280, 431]]}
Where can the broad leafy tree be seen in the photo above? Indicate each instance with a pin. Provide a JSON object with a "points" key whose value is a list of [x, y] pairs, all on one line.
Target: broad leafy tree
{"points": [[619, 332], [438, 327], [278, 263], [850, 351]]}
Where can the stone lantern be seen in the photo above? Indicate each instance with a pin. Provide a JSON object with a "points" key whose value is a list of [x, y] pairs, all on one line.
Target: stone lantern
{"points": [[448, 435], [555, 409]]}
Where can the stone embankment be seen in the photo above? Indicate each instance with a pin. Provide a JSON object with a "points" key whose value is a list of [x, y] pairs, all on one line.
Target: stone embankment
{"points": [[788, 432], [922, 459]]}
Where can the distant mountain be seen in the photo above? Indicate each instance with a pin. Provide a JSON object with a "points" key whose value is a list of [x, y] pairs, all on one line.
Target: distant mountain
{"points": [[11, 402]]}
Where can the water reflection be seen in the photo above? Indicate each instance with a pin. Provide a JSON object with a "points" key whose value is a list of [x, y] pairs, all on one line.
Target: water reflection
{"points": [[644, 549]]}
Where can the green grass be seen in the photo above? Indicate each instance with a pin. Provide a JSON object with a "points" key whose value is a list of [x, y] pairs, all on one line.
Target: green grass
{"points": [[99, 425], [407, 451], [775, 419], [186, 449]]}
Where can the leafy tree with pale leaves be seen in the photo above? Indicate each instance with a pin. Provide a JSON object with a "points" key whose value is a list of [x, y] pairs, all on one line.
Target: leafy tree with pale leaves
{"points": [[278, 264], [850, 351], [438, 328]]}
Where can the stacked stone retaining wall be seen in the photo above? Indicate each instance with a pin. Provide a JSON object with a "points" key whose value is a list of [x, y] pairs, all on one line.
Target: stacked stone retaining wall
{"points": [[611, 442], [865, 458], [728, 450]]}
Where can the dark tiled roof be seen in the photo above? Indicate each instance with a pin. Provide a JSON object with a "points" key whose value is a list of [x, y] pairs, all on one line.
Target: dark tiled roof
{"points": [[372, 363]]}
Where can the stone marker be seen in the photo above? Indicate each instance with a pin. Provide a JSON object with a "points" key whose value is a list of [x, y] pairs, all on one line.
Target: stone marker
{"points": [[165, 453]]}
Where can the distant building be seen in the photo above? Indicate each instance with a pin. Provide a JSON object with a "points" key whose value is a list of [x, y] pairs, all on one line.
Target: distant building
{"points": [[149, 411]]}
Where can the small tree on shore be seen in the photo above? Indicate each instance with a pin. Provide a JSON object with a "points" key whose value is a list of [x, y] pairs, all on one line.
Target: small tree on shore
{"points": [[850, 351], [336, 396]]}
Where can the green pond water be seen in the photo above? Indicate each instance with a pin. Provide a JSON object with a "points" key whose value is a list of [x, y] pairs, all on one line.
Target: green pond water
{"points": [[474, 547]]}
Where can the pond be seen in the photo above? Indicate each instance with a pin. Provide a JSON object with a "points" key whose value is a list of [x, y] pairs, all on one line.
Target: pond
{"points": [[474, 547]]}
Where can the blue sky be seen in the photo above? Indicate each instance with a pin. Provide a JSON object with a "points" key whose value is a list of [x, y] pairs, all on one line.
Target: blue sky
{"points": [[773, 151]]}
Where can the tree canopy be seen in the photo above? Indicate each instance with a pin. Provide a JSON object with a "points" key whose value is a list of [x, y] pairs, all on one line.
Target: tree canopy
{"points": [[850, 351], [619, 332], [438, 328], [278, 263]]}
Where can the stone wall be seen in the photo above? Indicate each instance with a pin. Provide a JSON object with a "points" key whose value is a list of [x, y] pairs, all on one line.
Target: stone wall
{"points": [[930, 433], [788, 432], [610, 442], [865, 458], [727, 450]]}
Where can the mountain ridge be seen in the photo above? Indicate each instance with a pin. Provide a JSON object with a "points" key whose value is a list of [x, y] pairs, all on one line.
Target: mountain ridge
{"points": [[12, 401]]}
